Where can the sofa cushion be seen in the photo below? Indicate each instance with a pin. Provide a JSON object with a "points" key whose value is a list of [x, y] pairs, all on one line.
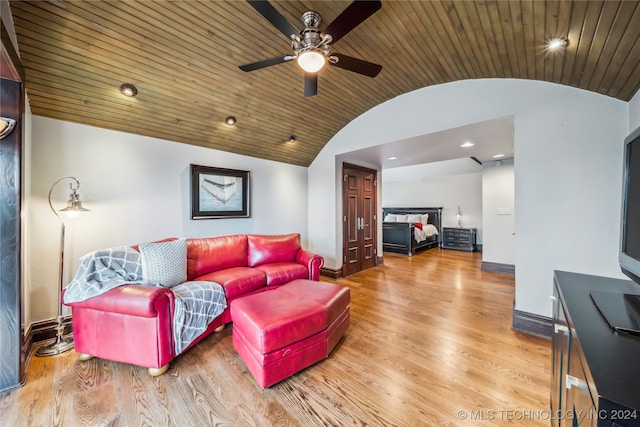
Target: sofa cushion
{"points": [[237, 280], [283, 272], [165, 263], [208, 254], [268, 249]]}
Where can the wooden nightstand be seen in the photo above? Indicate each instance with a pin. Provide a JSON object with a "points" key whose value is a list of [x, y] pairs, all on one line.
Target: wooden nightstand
{"points": [[461, 239]]}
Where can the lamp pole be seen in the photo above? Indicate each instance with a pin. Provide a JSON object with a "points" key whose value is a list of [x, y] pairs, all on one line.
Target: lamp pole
{"points": [[74, 205]]}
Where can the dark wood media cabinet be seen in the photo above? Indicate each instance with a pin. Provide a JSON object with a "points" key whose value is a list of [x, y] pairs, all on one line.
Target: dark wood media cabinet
{"points": [[595, 371]]}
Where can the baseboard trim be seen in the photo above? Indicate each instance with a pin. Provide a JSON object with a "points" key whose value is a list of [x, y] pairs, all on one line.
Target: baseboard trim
{"points": [[13, 387], [332, 273], [27, 343], [496, 267], [379, 261], [44, 330], [532, 324]]}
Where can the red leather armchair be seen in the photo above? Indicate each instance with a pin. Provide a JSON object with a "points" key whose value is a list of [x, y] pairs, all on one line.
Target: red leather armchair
{"points": [[133, 323]]}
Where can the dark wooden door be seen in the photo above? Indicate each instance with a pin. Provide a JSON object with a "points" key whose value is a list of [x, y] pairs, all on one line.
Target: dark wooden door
{"points": [[359, 189]]}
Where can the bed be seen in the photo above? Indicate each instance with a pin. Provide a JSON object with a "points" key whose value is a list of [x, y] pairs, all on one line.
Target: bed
{"points": [[400, 229]]}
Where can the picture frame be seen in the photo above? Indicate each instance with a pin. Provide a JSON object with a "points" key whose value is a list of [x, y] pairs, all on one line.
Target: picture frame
{"points": [[219, 193]]}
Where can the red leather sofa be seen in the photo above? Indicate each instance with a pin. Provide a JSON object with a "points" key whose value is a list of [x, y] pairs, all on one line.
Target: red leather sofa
{"points": [[133, 323]]}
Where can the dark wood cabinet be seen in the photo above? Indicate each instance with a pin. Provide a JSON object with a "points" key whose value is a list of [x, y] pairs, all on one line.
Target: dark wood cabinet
{"points": [[462, 239], [595, 371], [12, 107]]}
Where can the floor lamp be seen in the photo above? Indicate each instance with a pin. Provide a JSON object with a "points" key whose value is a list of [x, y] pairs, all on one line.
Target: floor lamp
{"points": [[74, 206]]}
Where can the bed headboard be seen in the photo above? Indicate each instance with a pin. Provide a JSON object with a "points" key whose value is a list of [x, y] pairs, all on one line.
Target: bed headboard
{"points": [[435, 214]]}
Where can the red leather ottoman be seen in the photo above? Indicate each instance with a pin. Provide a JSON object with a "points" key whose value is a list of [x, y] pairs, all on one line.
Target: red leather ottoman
{"points": [[282, 331]]}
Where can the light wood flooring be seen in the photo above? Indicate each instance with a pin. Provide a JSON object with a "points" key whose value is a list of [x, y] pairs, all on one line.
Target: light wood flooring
{"points": [[430, 344]]}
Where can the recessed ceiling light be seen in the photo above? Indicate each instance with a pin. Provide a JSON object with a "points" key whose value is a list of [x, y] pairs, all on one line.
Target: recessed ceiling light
{"points": [[467, 144], [497, 156], [292, 139], [230, 120], [556, 43], [392, 158], [127, 89]]}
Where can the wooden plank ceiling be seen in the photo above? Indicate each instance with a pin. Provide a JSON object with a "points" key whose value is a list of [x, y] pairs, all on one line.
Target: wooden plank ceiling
{"points": [[183, 56]]}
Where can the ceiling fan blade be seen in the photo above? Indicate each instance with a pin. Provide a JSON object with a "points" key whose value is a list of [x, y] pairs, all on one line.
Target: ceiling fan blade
{"points": [[265, 9], [265, 63], [310, 84], [356, 65], [355, 14]]}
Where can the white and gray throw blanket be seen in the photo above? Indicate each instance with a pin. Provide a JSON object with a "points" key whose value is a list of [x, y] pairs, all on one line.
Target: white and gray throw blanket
{"points": [[103, 270], [196, 304]]}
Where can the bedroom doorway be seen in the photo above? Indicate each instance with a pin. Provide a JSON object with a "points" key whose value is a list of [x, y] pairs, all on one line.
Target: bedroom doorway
{"points": [[359, 205]]}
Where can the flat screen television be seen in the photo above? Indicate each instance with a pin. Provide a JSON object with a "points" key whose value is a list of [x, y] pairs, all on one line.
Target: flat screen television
{"points": [[630, 231], [622, 311]]}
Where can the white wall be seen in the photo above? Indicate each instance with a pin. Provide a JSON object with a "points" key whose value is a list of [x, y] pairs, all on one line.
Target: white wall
{"points": [[414, 186], [138, 189], [568, 145], [498, 208], [634, 112]]}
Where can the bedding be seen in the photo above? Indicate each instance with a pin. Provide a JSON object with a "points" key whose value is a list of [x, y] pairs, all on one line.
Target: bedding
{"points": [[422, 234], [414, 218], [391, 218]]}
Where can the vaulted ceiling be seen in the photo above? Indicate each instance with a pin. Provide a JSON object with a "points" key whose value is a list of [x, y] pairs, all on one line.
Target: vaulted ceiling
{"points": [[183, 56]]}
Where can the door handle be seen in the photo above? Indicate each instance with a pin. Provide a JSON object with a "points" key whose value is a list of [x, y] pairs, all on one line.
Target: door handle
{"points": [[362, 224]]}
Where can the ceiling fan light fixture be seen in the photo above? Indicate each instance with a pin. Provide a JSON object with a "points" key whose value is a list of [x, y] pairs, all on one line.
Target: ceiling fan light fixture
{"points": [[311, 60]]}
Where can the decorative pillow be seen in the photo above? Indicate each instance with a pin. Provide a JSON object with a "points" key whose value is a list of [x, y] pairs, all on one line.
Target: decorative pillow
{"points": [[402, 218], [419, 225], [165, 263], [391, 218], [424, 219], [272, 248], [414, 218]]}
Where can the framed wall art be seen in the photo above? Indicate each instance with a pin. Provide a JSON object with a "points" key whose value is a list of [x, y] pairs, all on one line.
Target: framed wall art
{"points": [[219, 193]]}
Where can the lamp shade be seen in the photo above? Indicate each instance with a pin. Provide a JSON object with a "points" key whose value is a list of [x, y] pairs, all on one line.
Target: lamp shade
{"points": [[311, 60], [74, 204]]}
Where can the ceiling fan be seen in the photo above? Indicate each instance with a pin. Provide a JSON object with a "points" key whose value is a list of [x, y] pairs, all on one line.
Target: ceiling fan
{"points": [[312, 46]]}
